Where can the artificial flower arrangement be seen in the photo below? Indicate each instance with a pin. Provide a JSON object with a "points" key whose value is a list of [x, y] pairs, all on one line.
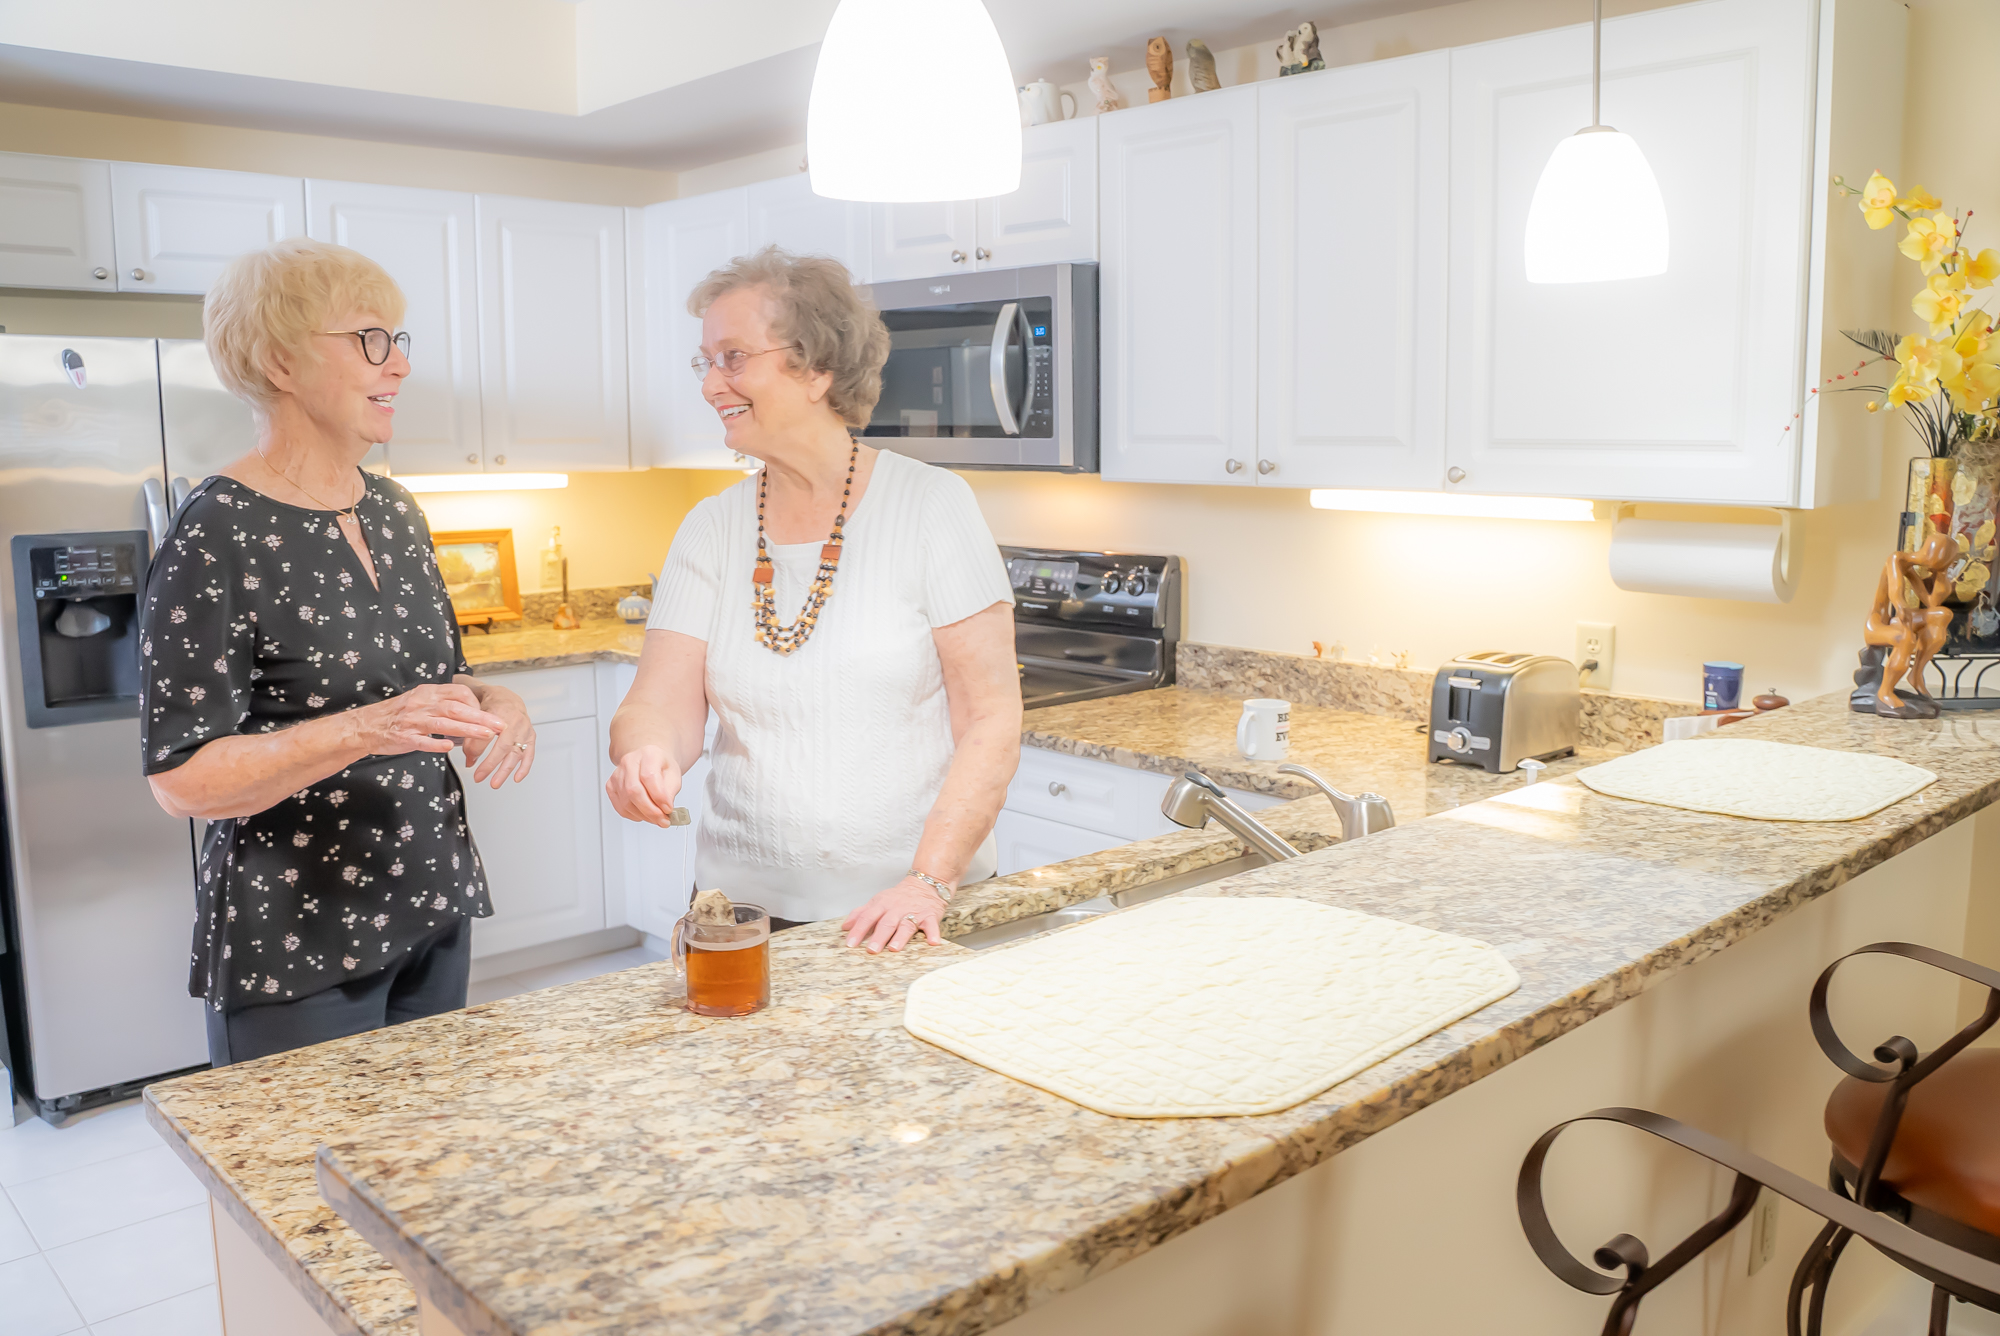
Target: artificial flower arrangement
{"points": [[1950, 380]]}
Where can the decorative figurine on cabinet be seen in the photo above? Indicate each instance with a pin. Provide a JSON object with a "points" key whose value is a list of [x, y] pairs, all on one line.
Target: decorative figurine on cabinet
{"points": [[1201, 67], [1909, 620], [1107, 97], [1160, 64], [1299, 52]]}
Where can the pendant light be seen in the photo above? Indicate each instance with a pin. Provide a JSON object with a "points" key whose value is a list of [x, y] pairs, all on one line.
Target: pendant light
{"points": [[912, 101], [1597, 214]]}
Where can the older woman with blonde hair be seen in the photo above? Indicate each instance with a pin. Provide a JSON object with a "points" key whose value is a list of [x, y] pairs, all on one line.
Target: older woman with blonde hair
{"points": [[846, 615], [302, 680]]}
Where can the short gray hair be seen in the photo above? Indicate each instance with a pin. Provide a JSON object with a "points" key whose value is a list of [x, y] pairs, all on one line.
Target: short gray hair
{"points": [[817, 307]]}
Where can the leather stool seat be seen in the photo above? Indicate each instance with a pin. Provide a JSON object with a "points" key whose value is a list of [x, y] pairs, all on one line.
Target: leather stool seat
{"points": [[1946, 1156]]}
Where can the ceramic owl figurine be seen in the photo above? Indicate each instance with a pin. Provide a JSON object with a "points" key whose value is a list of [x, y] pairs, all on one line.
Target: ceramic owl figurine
{"points": [[1160, 64], [1100, 85], [1288, 53], [1201, 67], [1309, 46]]}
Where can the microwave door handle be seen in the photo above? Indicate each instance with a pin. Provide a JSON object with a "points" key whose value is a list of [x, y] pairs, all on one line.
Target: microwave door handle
{"points": [[996, 369], [1027, 368]]}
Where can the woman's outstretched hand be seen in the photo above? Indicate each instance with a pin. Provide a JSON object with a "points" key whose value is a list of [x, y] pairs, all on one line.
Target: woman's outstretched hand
{"points": [[881, 921], [511, 754], [645, 785], [425, 719]]}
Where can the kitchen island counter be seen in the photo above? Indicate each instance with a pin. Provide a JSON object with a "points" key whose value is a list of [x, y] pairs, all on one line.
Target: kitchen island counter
{"points": [[594, 1159]]}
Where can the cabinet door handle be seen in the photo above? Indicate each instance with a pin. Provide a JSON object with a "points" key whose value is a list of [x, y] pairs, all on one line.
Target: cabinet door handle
{"points": [[1267, 466], [958, 257], [472, 459], [1057, 789], [981, 253], [500, 459], [100, 272], [1454, 475], [1232, 466], [139, 275]]}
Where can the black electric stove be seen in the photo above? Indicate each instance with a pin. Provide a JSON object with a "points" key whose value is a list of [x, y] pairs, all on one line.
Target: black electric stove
{"points": [[1090, 624]]}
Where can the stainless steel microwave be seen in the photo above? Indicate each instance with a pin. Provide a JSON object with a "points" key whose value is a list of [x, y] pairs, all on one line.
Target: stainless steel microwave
{"points": [[993, 370]]}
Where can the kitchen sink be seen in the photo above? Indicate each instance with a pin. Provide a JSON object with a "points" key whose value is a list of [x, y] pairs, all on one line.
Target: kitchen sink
{"points": [[1036, 924]]}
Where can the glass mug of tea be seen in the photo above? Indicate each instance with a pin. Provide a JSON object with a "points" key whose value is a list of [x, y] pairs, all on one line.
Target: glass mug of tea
{"points": [[727, 966]]}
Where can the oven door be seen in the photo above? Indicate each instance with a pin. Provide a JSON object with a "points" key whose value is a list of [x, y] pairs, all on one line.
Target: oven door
{"points": [[983, 369]]}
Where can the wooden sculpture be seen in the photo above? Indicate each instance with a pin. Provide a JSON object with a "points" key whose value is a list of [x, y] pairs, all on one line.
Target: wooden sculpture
{"points": [[1201, 67], [1909, 619], [1160, 64]]}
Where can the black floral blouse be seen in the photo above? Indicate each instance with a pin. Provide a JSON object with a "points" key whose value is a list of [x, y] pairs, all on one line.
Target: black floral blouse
{"points": [[259, 615]]}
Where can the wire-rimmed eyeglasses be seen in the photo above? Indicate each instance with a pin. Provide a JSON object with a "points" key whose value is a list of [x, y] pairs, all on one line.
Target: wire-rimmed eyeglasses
{"points": [[376, 342], [732, 361]]}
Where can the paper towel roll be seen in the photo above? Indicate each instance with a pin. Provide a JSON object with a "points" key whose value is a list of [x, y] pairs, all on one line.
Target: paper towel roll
{"points": [[1742, 561]]}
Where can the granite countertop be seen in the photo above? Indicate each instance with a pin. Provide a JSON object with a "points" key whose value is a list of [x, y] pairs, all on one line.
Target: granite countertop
{"points": [[597, 640], [593, 1158]]}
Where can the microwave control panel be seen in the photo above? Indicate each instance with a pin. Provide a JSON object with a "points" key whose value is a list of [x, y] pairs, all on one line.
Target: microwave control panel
{"points": [[1038, 416]]}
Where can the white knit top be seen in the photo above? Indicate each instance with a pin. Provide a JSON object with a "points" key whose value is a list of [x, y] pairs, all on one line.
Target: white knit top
{"points": [[826, 762]]}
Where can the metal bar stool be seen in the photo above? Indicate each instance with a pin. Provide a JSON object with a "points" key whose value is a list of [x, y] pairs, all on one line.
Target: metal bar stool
{"points": [[1969, 1275], [1927, 1155]]}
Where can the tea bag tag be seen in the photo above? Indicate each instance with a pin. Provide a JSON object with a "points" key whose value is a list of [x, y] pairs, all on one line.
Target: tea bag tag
{"points": [[712, 908]]}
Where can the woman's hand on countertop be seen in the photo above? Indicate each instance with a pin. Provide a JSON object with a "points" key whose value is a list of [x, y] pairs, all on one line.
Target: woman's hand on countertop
{"points": [[512, 752], [645, 785], [881, 921]]}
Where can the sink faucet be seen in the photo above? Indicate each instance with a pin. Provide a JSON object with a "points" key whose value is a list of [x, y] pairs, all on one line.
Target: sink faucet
{"points": [[1360, 814], [1192, 799]]}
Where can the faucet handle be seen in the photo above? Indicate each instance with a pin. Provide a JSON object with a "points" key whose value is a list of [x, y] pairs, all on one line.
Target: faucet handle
{"points": [[1360, 814]]}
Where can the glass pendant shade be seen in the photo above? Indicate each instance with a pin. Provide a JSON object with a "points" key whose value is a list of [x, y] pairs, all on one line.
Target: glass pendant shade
{"points": [[913, 101], [1597, 214]]}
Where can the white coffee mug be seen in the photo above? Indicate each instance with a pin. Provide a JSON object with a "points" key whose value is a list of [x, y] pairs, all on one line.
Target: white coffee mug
{"points": [[1264, 733], [1041, 102]]}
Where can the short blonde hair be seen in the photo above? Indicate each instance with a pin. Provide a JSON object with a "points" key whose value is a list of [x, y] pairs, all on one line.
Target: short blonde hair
{"points": [[272, 301], [817, 308]]}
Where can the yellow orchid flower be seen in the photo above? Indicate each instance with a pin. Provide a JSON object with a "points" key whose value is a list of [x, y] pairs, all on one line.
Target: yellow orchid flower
{"points": [[1921, 364], [1980, 269], [1977, 351], [1930, 241], [1920, 199], [1939, 303], [1878, 201]]}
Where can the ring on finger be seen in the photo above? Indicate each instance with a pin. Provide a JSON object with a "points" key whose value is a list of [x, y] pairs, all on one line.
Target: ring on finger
{"points": [[520, 746], [913, 920]]}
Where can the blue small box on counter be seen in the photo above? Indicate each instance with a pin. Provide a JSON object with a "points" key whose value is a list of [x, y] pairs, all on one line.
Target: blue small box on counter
{"points": [[1721, 685]]}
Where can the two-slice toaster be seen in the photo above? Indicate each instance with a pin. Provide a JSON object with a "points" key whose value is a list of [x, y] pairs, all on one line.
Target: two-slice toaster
{"points": [[1495, 710]]}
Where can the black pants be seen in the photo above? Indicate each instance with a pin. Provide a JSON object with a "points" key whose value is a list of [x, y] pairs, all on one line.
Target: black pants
{"points": [[430, 979]]}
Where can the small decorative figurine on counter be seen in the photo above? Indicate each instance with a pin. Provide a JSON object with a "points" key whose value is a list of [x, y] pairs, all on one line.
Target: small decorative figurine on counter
{"points": [[1160, 64], [1909, 620], [1201, 67], [1108, 98], [635, 607], [1298, 53], [566, 618]]}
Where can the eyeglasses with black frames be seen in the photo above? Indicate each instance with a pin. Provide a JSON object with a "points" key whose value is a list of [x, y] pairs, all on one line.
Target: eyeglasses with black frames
{"points": [[375, 343]]}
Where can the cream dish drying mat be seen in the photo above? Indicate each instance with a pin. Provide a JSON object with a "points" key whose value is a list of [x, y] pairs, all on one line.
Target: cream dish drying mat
{"points": [[1205, 1007], [1765, 781]]}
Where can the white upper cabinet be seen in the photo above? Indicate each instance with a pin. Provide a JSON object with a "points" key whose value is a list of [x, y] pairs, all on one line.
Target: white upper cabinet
{"points": [[786, 213], [55, 223], [1682, 386], [176, 227], [425, 239], [1177, 301], [1053, 216], [918, 240], [552, 335], [682, 241], [1352, 196]]}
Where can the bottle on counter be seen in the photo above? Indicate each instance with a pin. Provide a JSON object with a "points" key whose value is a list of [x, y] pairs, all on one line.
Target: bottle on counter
{"points": [[552, 561]]}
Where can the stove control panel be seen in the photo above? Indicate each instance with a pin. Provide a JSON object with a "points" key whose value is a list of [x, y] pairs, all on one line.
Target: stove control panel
{"points": [[1103, 589]]}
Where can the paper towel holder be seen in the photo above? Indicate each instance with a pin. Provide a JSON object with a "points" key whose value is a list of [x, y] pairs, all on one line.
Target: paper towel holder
{"points": [[1787, 574]]}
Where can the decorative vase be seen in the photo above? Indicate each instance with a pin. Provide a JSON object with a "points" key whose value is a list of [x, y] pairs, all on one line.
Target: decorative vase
{"points": [[1928, 505]]}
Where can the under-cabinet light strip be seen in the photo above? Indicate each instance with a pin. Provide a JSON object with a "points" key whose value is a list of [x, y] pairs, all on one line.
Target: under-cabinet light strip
{"points": [[482, 482], [1441, 503]]}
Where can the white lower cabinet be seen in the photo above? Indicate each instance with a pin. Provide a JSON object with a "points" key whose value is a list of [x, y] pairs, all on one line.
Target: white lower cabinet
{"points": [[1031, 841], [648, 872], [541, 840]]}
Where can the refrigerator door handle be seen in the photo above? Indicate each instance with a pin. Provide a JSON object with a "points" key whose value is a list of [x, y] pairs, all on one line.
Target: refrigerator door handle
{"points": [[158, 517], [178, 491]]}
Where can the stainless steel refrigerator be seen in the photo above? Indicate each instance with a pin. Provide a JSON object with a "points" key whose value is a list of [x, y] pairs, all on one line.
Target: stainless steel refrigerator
{"points": [[99, 439]]}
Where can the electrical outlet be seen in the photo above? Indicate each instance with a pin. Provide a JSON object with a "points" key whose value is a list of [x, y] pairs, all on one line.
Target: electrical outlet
{"points": [[1596, 641], [1763, 1230]]}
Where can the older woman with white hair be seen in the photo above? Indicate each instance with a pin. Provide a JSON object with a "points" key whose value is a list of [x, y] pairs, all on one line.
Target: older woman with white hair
{"points": [[846, 615], [302, 680]]}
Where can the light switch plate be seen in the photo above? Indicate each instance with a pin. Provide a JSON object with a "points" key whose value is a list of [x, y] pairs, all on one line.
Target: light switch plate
{"points": [[1599, 641], [1763, 1230]]}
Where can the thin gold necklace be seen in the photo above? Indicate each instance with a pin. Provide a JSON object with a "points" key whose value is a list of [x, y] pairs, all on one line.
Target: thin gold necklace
{"points": [[347, 513]]}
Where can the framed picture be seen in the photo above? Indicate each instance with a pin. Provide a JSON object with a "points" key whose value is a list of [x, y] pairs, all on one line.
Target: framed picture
{"points": [[477, 566]]}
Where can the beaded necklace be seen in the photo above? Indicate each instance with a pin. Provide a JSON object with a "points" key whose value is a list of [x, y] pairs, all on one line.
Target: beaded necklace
{"points": [[785, 639]]}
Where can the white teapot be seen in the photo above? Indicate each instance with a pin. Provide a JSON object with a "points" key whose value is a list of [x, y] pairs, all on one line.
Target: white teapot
{"points": [[1042, 102]]}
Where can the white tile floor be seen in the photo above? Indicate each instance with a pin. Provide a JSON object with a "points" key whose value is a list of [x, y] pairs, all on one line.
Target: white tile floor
{"points": [[103, 1230]]}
